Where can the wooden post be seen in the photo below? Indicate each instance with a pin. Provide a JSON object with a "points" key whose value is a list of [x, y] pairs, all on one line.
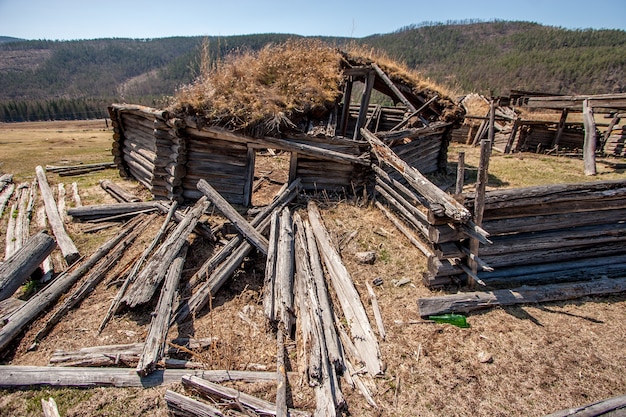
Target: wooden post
{"points": [[560, 128], [481, 186], [509, 144], [345, 113], [69, 250], [365, 102], [281, 376], [460, 174], [589, 148], [249, 176], [615, 120]]}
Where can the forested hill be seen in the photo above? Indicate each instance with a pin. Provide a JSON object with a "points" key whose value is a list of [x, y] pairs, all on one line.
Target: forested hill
{"points": [[78, 79]]}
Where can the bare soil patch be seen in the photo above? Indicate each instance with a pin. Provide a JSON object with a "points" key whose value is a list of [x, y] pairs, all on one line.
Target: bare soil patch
{"points": [[540, 358]]}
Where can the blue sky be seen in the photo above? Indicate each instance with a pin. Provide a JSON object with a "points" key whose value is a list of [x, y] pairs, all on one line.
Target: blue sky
{"points": [[87, 19]]}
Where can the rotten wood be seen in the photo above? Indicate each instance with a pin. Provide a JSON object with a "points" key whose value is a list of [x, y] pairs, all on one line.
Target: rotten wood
{"points": [[589, 146], [118, 193], [180, 404]]}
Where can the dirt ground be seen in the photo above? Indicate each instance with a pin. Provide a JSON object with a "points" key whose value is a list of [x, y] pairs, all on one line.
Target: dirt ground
{"points": [[525, 360]]}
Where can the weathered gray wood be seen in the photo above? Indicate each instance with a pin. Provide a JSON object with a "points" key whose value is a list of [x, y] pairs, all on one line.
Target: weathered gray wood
{"points": [[281, 376], [420, 183], [59, 169], [239, 250], [5, 179], [76, 196], [393, 88], [269, 281], [107, 210], [354, 312], [151, 276], [249, 232], [471, 301], [118, 192], [50, 294], [69, 250], [284, 272], [259, 406], [327, 316], [49, 408], [460, 174], [5, 195], [8, 306], [95, 275], [61, 201], [182, 405], [418, 243], [58, 376], [16, 270], [122, 355], [157, 333], [376, 308], [614, 406], [589, 147]]}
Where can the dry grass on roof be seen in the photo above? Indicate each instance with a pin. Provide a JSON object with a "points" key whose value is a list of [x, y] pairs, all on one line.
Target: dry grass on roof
{"points": [[399, 72], [271, 87]]}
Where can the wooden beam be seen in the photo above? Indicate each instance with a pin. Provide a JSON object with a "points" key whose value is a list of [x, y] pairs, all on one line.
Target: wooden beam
{"points": [[247, 230], [365, 102], [471, 301], [610, 407], [393, 88], [419, 182], [589, 147]]}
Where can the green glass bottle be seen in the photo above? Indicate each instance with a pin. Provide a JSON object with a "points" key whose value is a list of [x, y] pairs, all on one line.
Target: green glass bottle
{"points": [[454, 319]]}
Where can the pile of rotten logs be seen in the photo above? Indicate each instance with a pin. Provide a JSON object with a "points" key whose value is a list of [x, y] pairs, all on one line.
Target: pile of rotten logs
{"points": [[301, 260], [614, 143]]}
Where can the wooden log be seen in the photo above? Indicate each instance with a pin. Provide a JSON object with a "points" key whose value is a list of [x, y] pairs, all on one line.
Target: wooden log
{"points": [[5, 195], [152, 274], [60, 169], [24, 211], [239, 249], [471, 301], [157, 333], [136, 267], [589, 146], [95, 275], [351, 304], [284, 272], [16, 270], [248, 231], [281, 376], [269, 281], [377, 314], [10, 247], [76, 196], [331, 338], [182, 405], [69, 250], [125, 354], [460, 174], [8, 306], [107, 210], [259, 406], [418, 243], [609, 407], [420, 183], [118, 192], [49, 407], [57, 376], [393, 88], [61, 201], [50, 294], [5, 179]]}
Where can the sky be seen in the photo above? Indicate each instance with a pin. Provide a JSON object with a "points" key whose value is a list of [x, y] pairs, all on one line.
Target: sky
{"points": [[87, 19]]}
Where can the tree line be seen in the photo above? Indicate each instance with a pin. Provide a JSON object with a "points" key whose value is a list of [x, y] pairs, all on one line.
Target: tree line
{"points": [[43, 79]]}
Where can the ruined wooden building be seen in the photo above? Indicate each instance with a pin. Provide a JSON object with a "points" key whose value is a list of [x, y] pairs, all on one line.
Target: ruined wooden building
{"points": [[169, 152]]}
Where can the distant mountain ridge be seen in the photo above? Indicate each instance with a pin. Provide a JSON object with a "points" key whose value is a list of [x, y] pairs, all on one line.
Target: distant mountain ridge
{"points": [[43, 79]]}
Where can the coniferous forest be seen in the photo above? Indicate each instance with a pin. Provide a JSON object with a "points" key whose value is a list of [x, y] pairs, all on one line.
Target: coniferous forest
{"points": [[52, 80]]}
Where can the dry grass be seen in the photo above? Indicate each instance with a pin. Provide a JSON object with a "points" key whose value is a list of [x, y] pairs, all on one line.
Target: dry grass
{"points": [[544, 357], [272, 86]]}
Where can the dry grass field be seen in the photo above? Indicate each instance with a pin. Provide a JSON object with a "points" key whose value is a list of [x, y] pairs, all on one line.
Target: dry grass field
{"points": [[543, 357]]}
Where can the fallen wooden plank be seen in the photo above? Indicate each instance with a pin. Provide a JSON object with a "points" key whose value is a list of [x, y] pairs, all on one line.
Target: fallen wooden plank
{"points": [[354, 312], [471, 301], [57, 376], [16, 270], [257, 405], [250, 233], [108, 210], [118, 192], [49, 408], [610, 407], [69, 250], [157, 333], [180, 404]]}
